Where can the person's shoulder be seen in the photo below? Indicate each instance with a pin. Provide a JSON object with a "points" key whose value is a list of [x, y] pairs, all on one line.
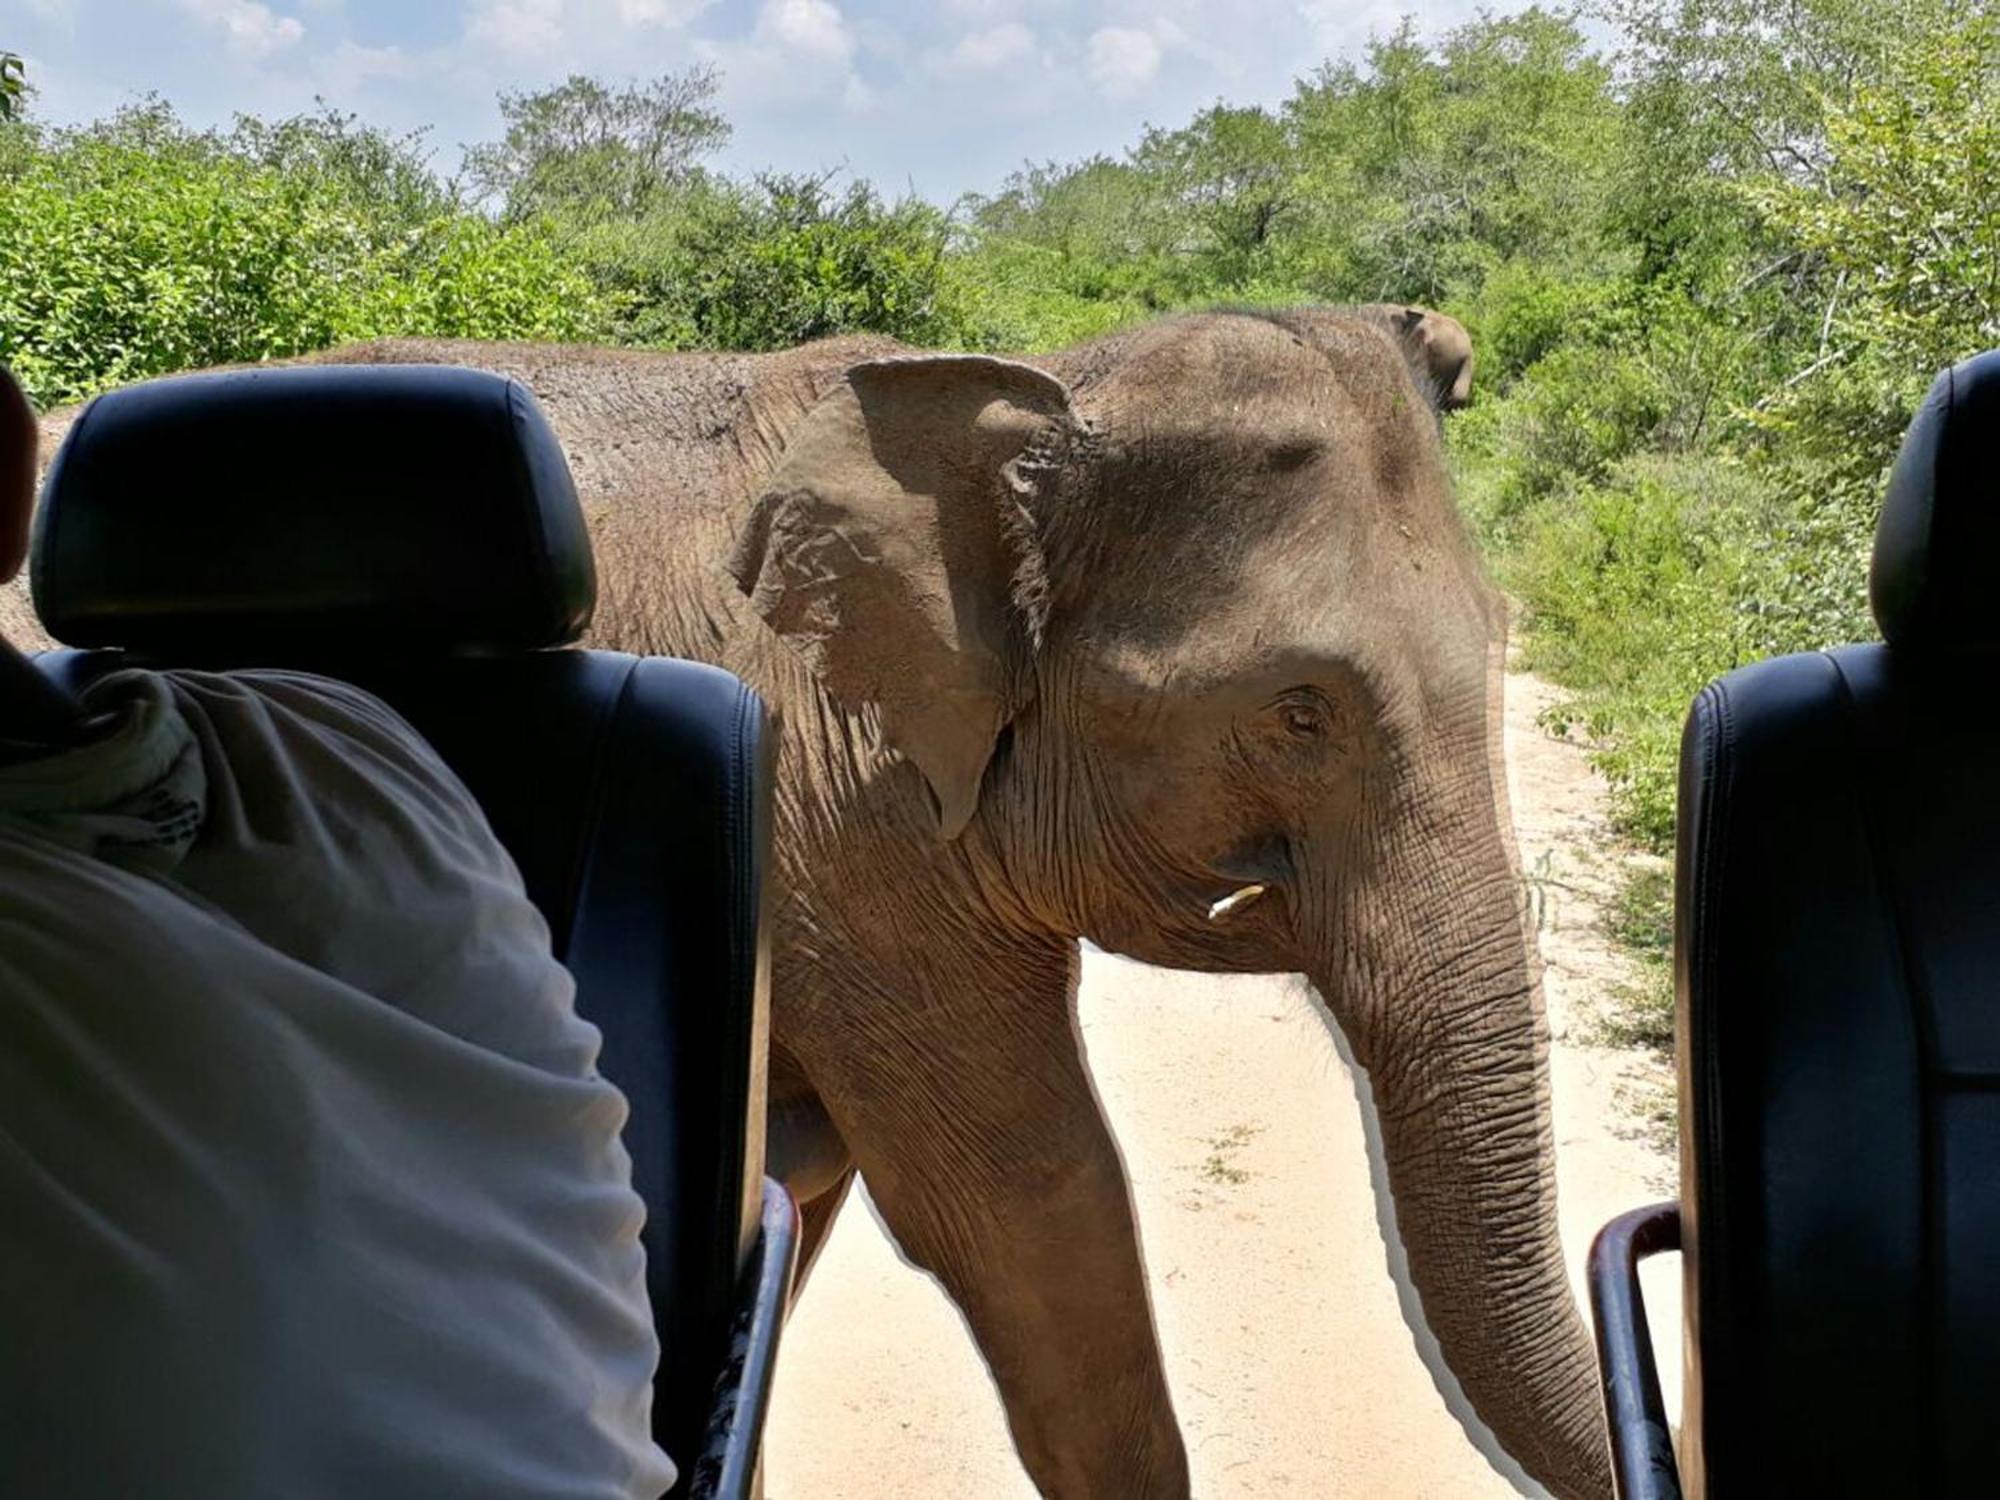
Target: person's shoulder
{"points": [[289, 702], [323, 699], [336, 738]]}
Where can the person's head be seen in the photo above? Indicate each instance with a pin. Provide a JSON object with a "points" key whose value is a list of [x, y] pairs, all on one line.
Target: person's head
{"points": [[17, 474]]}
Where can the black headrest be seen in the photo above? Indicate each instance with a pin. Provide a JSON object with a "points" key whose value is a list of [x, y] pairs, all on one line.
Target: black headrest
{"points": [[404, 507], [1937, 547]]}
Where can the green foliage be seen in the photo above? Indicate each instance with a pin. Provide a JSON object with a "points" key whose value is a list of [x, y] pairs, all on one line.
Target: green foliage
{"points": [[137, 246], [1808, 199], [1576, 412], [334, 155], [1428, 167], [1022, 297], [1706, 287], [13, 87], [1903, 225], [461, 276], [1526, 310], [1631, 587], [1417, 174], [769, 264], [585, 151], [1219, 192]]}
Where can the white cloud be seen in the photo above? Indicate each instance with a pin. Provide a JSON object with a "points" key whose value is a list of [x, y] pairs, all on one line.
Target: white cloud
{"points": [[601, 36], [250, 29], [997, 10], [1123, 60], [524, 28], [984, 51], [797, 50], [660, 12], [812, 26], [351, 66], [1336, 24]]}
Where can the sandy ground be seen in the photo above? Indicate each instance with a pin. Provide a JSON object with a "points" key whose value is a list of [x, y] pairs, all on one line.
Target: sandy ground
{"points": [[1292, 1368]]}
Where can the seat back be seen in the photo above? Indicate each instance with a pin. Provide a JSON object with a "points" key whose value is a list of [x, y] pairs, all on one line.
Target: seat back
{"points": [[1838, 966], [633, 793]]}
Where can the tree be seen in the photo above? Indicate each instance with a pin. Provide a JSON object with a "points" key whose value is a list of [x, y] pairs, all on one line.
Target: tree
{"points": [[1904, 214], [1724, 92], [588, 152], [1227, 177], [769, 264], [389, 177], [138, 246], [1430, 164], [13, 86], [1902, 225]]}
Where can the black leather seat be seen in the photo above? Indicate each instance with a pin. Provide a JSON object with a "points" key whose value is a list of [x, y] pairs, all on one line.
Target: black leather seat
{"points": [[1837, 953], [414, 530]]}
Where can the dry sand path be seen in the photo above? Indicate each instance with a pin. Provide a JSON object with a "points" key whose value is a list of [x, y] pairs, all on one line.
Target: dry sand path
{"points": [[1292, 1369]]}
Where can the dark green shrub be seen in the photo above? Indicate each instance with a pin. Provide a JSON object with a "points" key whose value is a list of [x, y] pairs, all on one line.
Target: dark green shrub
{"points": [[771, 264]]}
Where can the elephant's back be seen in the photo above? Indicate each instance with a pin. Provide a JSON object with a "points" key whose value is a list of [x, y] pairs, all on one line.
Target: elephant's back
{"points": [[667, 450]]}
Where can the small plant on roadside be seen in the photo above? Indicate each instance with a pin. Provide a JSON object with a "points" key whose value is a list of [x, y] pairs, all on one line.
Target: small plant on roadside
{"points": [[1220, 1166]]}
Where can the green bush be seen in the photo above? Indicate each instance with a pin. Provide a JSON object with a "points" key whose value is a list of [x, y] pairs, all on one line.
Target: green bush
{"points": [[1573, 414], [1019, 298], [1525, 311], [1642, 577], [1633, 590], [139, 247], [1905, 223], [462, 276], [770, 264]]}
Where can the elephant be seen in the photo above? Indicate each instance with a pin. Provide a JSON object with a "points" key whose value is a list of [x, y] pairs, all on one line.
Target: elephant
{"points": [[1172, 641], [1439, 346]]}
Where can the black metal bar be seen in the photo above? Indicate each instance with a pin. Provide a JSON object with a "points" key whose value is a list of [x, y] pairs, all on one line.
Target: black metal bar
{"points": [[728, 1468], [1642, 1445]]}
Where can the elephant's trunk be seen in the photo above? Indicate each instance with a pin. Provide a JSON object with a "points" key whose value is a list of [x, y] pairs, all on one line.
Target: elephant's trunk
{"points": [[1459, 1072]]}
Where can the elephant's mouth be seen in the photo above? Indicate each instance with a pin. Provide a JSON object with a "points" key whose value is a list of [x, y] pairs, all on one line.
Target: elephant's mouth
{"points": [[1207, 921]]}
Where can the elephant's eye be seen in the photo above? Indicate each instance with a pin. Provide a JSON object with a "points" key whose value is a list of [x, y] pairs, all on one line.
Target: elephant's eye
{"points": [[1305, 714], [1286, 457]]}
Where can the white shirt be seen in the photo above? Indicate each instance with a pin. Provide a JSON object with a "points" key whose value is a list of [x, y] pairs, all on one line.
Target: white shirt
{"points": [[309, 1185]]}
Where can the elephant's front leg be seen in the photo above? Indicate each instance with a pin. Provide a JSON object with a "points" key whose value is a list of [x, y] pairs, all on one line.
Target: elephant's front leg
{"points": [[980, 1139]]}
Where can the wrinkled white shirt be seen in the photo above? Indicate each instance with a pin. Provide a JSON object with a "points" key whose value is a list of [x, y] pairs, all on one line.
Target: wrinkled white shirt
{"points": [[309, 1185]]}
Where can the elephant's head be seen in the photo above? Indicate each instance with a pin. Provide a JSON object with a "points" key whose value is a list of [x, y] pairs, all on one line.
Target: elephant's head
{"points": [[1438, 346], [1187, 640]]}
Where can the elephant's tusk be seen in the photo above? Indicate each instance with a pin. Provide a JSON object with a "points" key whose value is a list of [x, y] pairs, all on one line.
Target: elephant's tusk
{"points": [[1234, 902]]}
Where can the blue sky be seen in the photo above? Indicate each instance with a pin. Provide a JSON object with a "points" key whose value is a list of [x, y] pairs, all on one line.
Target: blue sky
{"points": [[945, 97]]}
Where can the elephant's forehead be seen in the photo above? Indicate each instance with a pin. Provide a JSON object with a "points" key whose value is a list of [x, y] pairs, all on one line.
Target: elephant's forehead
{"points": [[1381, 600], [1279, 617], [1188, 525]]}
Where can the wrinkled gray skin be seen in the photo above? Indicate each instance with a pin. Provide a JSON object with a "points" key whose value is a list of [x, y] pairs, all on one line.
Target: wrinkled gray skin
{"points": [[1073, 648]]}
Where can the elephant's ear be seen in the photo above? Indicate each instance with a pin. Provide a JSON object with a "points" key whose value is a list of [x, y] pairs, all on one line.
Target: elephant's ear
{"points": [[895, 549]]}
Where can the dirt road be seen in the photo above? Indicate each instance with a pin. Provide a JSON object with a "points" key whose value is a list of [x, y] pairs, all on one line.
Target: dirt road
{"points": [[1292, 1369]]}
